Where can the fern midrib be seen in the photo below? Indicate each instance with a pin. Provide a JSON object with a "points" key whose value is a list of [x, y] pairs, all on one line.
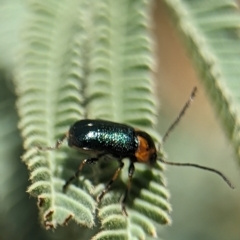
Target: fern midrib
{"points": [[59, 81], [86, 45], [53, 91], [52, 97], [117, 45]]}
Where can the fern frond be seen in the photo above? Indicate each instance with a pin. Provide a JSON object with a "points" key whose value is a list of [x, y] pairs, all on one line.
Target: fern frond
{"points": [[49, 84], [210, 30], [88, 59]]}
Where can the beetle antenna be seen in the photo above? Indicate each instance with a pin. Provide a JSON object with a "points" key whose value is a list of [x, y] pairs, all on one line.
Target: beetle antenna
{"points": [[173, 125], [186, 106], [201, 167]]}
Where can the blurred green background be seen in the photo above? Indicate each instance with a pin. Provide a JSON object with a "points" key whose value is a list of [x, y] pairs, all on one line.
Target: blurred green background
{"points": [[203, 206]]}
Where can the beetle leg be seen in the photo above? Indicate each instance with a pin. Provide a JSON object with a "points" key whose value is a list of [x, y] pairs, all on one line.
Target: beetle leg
{"points": [[57, 145], [131, 170], [76, 175], [108, 186]]}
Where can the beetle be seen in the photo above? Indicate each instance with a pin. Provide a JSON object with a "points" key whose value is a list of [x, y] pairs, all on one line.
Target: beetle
{"points": [[101, 138]]}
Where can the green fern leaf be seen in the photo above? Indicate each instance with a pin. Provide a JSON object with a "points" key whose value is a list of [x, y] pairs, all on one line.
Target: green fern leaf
{"points": [[210, 30], [88, 59], [49, 86]]}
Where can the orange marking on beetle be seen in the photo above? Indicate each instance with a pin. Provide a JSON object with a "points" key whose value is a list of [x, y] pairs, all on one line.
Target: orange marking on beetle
{"points": [[144, 151]]}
